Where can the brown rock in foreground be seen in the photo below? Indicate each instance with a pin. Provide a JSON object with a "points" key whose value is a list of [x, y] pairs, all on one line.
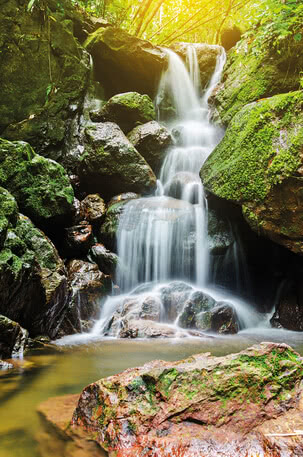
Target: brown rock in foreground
{"points": [[240, 405]]}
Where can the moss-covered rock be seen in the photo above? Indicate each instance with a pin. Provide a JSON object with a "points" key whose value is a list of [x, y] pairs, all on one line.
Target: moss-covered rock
{"points": [[258, 164], [33, 285], [127, 110], [253, 72], [202, 405], [44, 72], [125, 63], [40, 186], [34, 289], [110, 164]]}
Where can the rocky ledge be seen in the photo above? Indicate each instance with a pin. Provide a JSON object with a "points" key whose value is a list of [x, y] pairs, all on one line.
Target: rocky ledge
{"points": [[246, 405]]}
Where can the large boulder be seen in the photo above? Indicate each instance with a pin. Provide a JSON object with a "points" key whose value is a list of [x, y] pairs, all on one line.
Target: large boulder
{"points": [[241, 405], [152, 141], [105, 259], [33, 285], [127, 110], [44, 72], [125, 63], [258, 165], [259, 66], [40, 186], [110, 164], [13, 338]]}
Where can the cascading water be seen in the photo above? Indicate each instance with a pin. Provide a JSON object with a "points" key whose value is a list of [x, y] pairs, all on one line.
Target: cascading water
{"points": [[163, 238]]}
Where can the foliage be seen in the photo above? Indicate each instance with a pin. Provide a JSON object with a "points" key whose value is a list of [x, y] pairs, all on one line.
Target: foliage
{"points": [[166, 21]]}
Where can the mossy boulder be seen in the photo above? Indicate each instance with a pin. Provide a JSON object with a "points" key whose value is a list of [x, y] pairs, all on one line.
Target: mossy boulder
{"points": [[258, 165], [125, 63], [254, 72], [33, 285], [34, 289], [40, 186], [44, 73], [127, 110], [110, 164], [202, 405]]}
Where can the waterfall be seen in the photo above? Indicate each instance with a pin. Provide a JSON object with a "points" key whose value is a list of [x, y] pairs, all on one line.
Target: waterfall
{"points": [[164, 237]]}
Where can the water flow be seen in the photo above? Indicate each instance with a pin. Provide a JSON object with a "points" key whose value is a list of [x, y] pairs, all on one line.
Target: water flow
{"points": [[164, 237]]}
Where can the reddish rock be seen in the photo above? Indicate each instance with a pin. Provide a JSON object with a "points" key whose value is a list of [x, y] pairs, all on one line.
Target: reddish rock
{"points": [[233, 406], [78, 239]]}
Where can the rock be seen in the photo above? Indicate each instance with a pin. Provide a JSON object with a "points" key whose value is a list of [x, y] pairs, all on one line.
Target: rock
{"points": [[148, 329], [258, 165], [220, 235], [13, 338], [105, 259], [78, 240], [110, 163], [173, 297], [176, 186], [126, 321], [89, 286], [197, 303], [33, 285], [127, 110], [207, 58], [94, 208], [8, 213], [108, 230], [254, 72], [223, 319], [117, 53], [289, 312], [5, 365], [40, 186], [37, 106], [151, 140], [172, 409]]}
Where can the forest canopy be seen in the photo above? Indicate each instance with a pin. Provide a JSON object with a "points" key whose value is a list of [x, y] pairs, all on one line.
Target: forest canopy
{"points": [[166, 21]]}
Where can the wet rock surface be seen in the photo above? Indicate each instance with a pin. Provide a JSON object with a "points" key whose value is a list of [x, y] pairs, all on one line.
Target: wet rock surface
{"points": [[207, 58], [197, 406], [78, 240], [115, 208], [111, 164], [105, 259], [88, 287], [94, 208], [13, 338], [151, 140]]}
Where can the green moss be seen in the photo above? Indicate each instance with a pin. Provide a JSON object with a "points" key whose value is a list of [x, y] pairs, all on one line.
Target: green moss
{"points": [[261, 148], [40, 185]]}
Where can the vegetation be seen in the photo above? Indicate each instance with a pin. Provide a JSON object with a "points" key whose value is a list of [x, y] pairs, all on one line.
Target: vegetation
{"points": [[166, 21]]}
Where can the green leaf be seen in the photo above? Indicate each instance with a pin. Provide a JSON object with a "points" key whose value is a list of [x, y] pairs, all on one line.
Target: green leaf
{"points": [[298, 37], [30, 5]]}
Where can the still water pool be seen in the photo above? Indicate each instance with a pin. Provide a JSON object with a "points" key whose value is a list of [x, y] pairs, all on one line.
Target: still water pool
{"points": [[47, 373]]}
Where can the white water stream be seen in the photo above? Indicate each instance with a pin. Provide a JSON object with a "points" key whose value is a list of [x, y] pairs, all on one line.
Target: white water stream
{"points": [[164, 237]]}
